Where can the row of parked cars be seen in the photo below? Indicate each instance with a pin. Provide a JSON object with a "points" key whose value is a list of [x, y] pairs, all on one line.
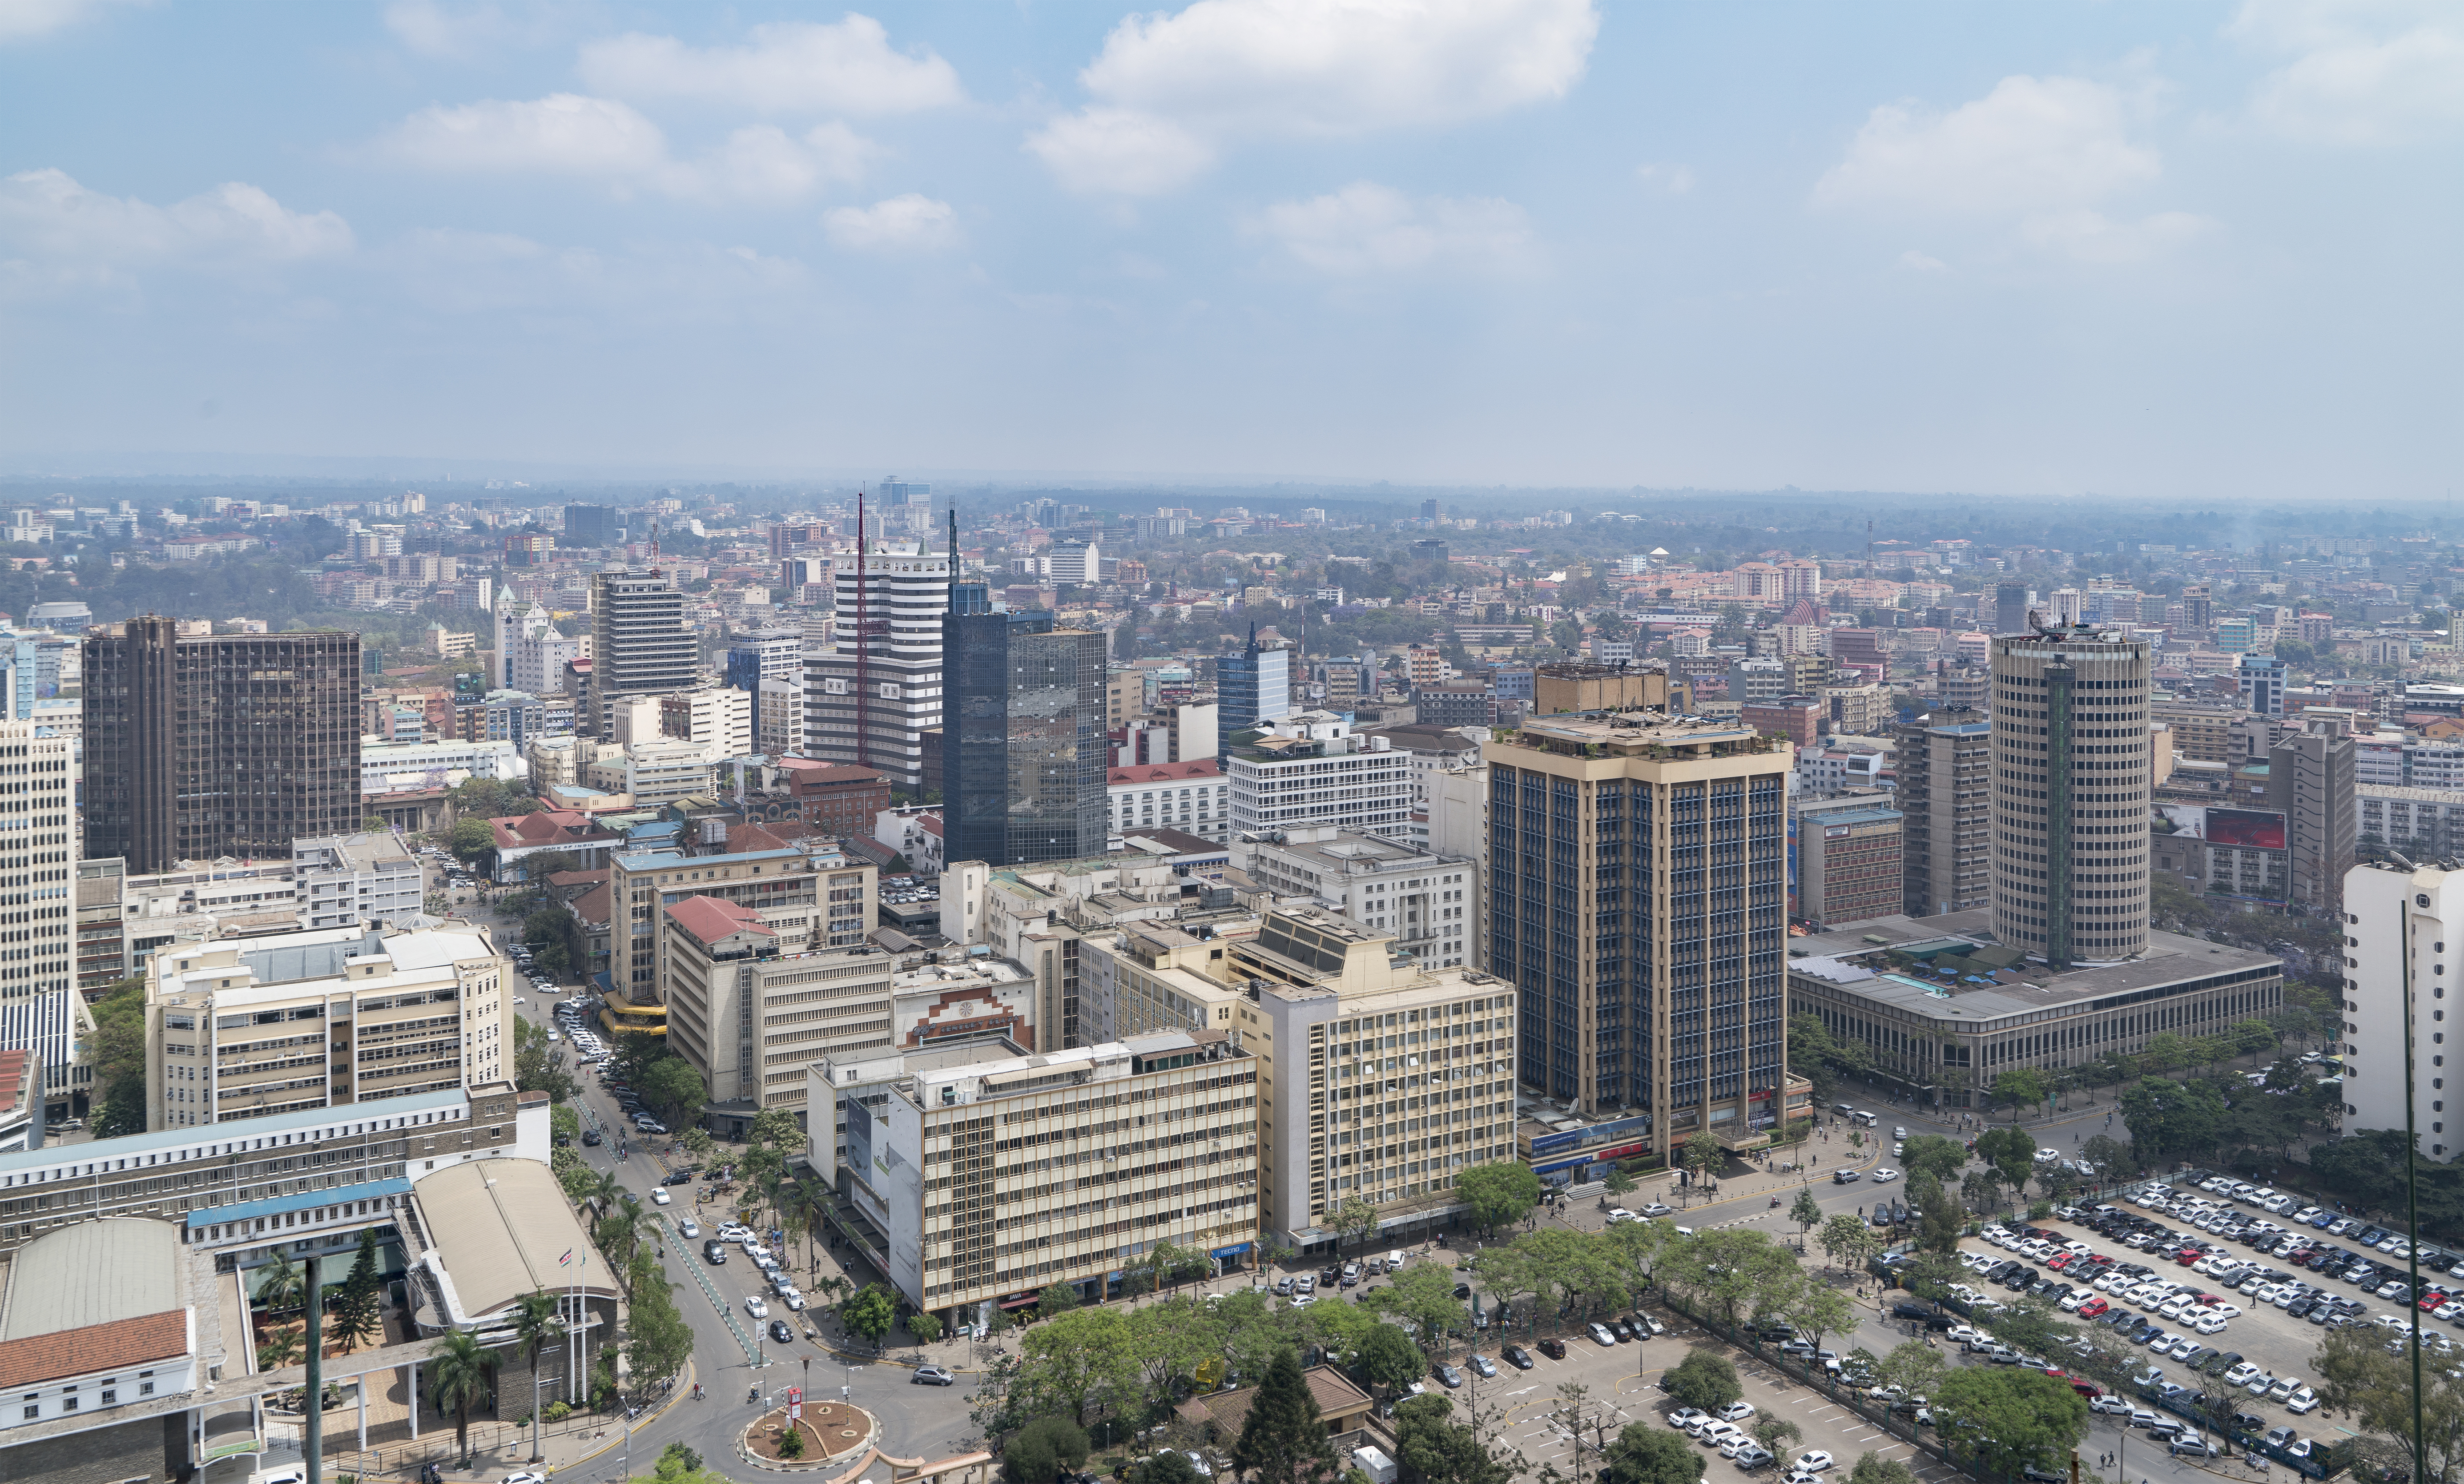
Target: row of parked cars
{"points": [[2374, 1261]]}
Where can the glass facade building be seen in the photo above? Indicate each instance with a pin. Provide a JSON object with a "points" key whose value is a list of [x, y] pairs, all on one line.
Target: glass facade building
{"points": [[1251, 687], [1024, 756]]}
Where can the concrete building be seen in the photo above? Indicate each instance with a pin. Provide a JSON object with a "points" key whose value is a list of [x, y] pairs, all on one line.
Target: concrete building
{"points": [[2310, 780], [768, 664], [1943, 1007], [399, 767], [1192, 797], [755, 995], [979, 1177], [1386, 1078], [1024, 761], [889, 617], [1649, 986], [356, 880], [2073, 778], [1850, 865], [1424, 900], [639, 644], [1312, 771], [40, 1009], [321, 1017], [1251, 689], [717, 718], [531, 655], [214, 745], [653, 773], [642, 883], [2397, 926], [2262, 680]]}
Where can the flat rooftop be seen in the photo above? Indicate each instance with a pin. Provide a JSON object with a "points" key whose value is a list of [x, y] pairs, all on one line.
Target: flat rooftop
{"points": [[1877, 960]]}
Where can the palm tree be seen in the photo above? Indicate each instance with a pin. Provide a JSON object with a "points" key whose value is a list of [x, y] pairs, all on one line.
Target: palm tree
{"points": [[804, 1207], [283, 1285], [604, 1191], [535, 1322], [457, 1377], [618, 1234], [284, 1348]]}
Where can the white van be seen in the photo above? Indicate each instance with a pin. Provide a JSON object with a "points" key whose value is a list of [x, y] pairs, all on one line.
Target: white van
{"points": [[1864, 1120], [1394, 1262]]}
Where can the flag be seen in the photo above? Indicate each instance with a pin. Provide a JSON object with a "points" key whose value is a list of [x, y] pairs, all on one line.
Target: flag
{"points": [[566, 1258]]}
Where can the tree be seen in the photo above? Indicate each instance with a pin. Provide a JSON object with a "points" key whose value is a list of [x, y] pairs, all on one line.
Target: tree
{"points": [[1775, 1433], [1934, 1156], [1619, 1181], [1807, 1214], [1940, 1222], [1356, 1218], [1058, 1299], [2358, 1377], [1165, 1466], [1071, 1362], [1441, 1452], [536, 1323], [659, 1340], [1704, 1379], [2111, 1157], [1703, 1155], [2172, 1120], [1875, 1469], [1497, 1194], [1423, 1297], [1816, 1310], [1647, 1454], [358, 1309], [1915, 1367], [2011, 1151], [673, 1087], [1043, 1447], [1282, 1440], [281, 1284], [2006, 1418], [870, 1312], [1846, 1239], [457, 1372], [1732, 1267], [1388, 1358], [2020, 1087], [473, 838]]}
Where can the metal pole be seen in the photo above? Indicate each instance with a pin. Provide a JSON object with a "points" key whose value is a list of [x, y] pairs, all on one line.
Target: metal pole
{"points": [[2411, 1195], [313, 1404]]}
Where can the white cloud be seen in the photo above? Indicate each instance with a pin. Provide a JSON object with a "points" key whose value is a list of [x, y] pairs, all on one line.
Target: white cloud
{"points": [[1121, 151], [21, 19], [2031, 144], [470, 33], [1921, 262], [1673, 180], [602, 140], [902, 224], [2364, 72], [1179, 86], [563, 134], [1367, 228], [790, 67], [2039, 155], [46, 214]]}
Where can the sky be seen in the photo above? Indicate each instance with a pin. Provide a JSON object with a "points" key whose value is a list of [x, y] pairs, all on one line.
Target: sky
{"points": [[2180, 250]]}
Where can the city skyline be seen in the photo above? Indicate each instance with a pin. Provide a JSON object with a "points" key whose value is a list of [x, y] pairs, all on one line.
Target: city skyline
{"points": [[2074, 251]]}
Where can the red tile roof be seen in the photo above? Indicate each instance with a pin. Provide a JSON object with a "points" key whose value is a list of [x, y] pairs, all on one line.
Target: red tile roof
{"points": [[95, 1347], [709, 919], [14, 1083], [1165, 773]]}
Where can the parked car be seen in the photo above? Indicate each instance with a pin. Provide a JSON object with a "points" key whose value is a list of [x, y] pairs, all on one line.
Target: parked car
{"points": [[932, 1376], [1516, 1356]]}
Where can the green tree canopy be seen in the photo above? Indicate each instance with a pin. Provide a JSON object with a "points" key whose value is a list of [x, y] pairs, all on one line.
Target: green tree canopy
{"points": [[2172, 1120], [1703, 1378], [1042, 1449], [1647, 1454], [2020, 1087], [2009, 1418], [1282, 1439], [1389, 1358], [1498, 1193]]}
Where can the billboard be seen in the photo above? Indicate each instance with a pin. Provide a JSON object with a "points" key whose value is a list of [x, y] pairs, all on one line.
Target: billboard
{"points": [[2252, 829]]}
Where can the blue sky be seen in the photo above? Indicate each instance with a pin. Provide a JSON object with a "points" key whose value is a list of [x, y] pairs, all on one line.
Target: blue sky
{"points": [[2191, 250]]}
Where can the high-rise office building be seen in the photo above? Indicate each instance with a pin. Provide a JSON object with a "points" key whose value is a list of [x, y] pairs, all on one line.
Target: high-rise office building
{"points": [[40, 1005], [592, 525], [531, 654], [2391, 914], [2072, 777], [1024, 756], [2009, 607], [775, 655], [870, 697], [218, 745], [1946, 803], [2311, 779], [639, 643], [1251, 688], [1649, 986]]}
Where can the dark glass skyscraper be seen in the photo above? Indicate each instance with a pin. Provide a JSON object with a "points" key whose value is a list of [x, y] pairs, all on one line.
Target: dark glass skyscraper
{"points": [[1023, 750], [221, 744]]}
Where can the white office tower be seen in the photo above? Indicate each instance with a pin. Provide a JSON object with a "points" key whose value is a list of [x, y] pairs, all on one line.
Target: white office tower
{"points": [[2072, 772], [886, 639], [40, 1009], [531, 653], [2391, 914]]}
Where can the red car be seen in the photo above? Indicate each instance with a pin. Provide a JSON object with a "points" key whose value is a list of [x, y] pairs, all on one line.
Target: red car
{"points": [[2061, 1262], [2092, 1308], [2188, 1255]]}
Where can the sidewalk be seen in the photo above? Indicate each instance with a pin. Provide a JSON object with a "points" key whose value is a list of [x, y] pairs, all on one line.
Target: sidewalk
{"points": [[498, 1447]]}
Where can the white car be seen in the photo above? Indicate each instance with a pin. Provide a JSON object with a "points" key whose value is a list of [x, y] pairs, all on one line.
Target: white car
{"points": [[756, 1306], [1685, 1417], [1735, 1411], [659, 1196], [1812, 1461], [2302, 1400], [1884, 1176], [688, 1229]]}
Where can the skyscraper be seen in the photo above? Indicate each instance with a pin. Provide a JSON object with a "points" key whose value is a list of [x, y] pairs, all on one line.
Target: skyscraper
{"points": [[1251, 687], [883, 673], [1023, 757], [218, 745], [591, 525], [2009, 607], [775, 655], [1638, 898], [2072, 773], [39, 863], [639, 643], [2310, 777], [1946, 803]]}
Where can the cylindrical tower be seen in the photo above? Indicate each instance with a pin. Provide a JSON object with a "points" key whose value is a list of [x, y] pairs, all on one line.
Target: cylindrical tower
{"points": [[2072, 775]]}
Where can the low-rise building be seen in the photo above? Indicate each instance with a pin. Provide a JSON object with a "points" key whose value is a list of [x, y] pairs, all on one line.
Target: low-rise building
{"points": [[346, 881], [394, 766], [1309, 770], [1849, 863], [1423, 899], [979, 1176], [238, 1030], [1191, 796]]}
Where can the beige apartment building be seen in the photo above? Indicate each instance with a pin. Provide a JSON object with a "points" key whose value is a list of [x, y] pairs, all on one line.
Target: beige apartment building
{"points": [[838, 895], [755, 996], [324, 1017]]}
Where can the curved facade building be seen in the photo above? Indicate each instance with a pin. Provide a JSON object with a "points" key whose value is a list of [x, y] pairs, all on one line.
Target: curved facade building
{"points": [[2072, 776]]}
